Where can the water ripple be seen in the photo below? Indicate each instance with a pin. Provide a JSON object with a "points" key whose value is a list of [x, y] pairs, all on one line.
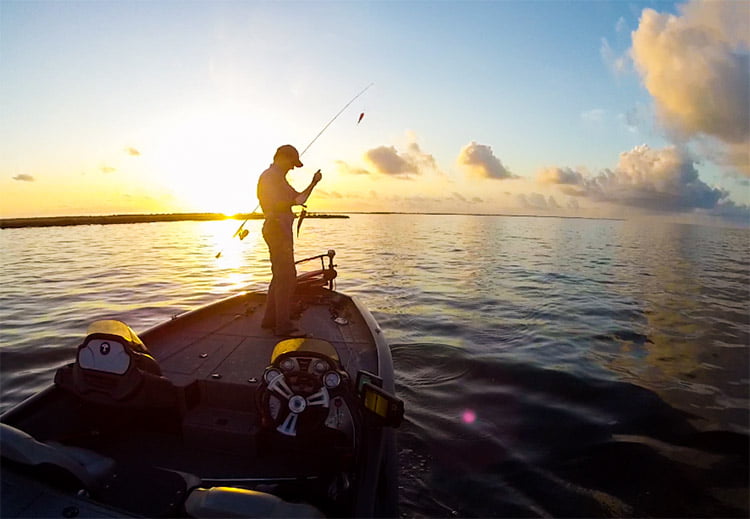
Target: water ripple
{"points": [[549, 367]]}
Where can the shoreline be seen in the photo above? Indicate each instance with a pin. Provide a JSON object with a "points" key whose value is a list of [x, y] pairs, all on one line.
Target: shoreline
{"points": [[66, 221]]}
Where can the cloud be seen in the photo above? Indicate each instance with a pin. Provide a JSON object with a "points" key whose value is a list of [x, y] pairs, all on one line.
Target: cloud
{"points": [[572, 181], [695, 66], [458, 197], [593, 116], [343, 167], [617, 63], [661, 180], [424, 161], [321, 193], [107, 169], [388, 161], [479, 160], [731, 211], [537, 201], [638, 118], [622, 25], [560, 176], [23, 177]]}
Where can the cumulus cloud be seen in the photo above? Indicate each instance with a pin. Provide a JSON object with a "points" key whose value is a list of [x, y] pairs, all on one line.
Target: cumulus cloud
{"points": [[695, 66], [132, 152], [423, 161], [387, 160], [23, 177], [479, 160], [564, 176], [731, 211], [664, 180], [571, 182], [537, 201]]}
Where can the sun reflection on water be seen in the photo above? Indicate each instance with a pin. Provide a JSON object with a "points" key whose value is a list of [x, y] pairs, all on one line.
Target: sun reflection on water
{"points": [[235, 264]]}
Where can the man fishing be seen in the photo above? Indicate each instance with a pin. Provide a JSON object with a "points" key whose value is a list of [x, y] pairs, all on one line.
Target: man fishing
{"points": [[276, 197]]}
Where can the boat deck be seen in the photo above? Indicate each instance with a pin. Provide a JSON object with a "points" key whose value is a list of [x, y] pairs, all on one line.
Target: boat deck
{"points": [[226, 343], [214, 357]]}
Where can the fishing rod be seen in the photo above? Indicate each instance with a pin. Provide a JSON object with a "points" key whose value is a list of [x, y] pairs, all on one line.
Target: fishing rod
{"points": [[241, 231], [336, 117]]}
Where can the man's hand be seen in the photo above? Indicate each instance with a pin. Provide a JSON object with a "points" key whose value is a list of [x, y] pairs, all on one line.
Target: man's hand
{"points": [[303, 196]]}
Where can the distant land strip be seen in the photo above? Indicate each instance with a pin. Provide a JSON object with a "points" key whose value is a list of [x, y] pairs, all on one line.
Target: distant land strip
{"points": [[63, 221], [509, 215]]}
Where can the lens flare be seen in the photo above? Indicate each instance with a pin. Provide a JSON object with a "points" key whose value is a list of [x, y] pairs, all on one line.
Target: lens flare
{"points": [[468, 416]]}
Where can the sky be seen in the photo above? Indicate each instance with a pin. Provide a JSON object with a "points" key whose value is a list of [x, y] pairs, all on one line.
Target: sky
{"points": [[583, 108]]}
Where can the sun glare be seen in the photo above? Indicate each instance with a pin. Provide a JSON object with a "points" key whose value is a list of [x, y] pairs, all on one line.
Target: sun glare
{"points": [[204, 162]]}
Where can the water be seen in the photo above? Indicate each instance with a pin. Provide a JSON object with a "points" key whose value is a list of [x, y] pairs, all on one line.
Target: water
{"points": [[550, 367]]}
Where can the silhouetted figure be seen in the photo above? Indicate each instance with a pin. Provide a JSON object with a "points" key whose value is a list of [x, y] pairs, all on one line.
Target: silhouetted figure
{"points": [[276, 198]]}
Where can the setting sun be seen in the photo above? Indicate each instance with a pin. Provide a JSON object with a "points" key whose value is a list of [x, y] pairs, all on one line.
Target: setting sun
{"points": [[205, 161]]}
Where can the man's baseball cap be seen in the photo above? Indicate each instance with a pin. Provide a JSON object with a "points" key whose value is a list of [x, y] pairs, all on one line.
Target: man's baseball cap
{"points": [[290, 152]]}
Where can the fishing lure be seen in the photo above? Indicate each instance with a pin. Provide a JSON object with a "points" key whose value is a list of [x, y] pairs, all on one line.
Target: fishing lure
{"points": [[302, 215]]}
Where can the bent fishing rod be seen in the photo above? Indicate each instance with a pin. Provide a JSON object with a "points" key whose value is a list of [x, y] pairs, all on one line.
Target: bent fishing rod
{"points": [[241, 231]]}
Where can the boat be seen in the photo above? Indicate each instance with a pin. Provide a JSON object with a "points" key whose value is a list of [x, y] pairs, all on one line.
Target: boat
{"points": [[210, 415]]}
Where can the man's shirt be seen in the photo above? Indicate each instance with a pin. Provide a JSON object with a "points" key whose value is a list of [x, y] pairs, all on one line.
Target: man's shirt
{"points": [[276, 197]]}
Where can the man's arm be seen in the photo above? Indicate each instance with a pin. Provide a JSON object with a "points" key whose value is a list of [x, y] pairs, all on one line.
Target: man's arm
{"points": [[304, 195]]}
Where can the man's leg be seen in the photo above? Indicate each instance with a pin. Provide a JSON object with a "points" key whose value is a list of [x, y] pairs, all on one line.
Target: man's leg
{"points": [[284, 280], [269, 317]]}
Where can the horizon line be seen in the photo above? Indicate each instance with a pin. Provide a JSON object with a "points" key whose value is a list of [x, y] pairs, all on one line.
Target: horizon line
{"points": [[126, 218]]}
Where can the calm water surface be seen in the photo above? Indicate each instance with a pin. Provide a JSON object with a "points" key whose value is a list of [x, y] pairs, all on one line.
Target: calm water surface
{"points": [[550, 367]]}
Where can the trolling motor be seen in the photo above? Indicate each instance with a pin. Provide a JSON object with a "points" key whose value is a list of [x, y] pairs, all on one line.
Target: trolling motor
{"points": [[322, 277]]}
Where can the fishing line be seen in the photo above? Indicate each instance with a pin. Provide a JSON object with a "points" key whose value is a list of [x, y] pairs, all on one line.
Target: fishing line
{"points": [[336, 117], [241, 231]]}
